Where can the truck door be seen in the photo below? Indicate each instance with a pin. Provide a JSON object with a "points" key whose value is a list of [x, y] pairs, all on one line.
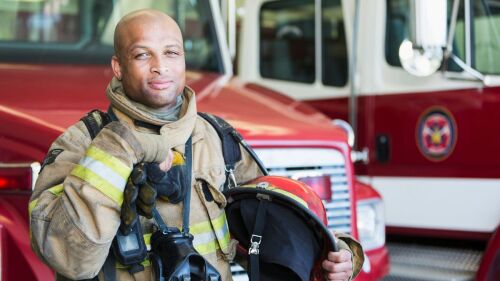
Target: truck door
{"points": [[298, 42]]}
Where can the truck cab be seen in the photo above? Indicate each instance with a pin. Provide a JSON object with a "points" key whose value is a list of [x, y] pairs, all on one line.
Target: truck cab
{"points": [[55, 66], [422, 112]]}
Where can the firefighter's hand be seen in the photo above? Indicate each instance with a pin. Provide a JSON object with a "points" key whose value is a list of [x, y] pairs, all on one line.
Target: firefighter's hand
{"points": [[338, 266], [168, 184]]}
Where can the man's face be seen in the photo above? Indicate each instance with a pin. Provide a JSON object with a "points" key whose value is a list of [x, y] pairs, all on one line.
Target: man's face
{"points": [[150, 62]]}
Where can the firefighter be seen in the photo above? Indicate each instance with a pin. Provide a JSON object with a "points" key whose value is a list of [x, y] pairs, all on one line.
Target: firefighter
{"points": [[78, 204]]}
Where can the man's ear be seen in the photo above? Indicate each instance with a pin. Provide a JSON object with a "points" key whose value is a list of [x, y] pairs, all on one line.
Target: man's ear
{"points": [[115, 65]]}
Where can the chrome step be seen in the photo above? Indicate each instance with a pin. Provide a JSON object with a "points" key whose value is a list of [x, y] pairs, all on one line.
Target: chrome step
{"points": [[412, 262]]}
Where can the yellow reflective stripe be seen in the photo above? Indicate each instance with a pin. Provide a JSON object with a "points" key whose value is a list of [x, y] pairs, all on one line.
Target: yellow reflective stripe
{"points": [[147, 240], [113, 192], [110, 161], [225, 241], [220, 221], [32, 206], [221, 229], [200, 227], [106, 166], [207, 248], [178, 159], [207, 225], [293, 196], [144, 263], [284, 192], [213, 235], [56, 190], [212, 246]]}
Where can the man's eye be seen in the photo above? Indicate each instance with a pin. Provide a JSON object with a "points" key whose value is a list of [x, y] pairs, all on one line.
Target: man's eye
{"points": [[173, 53], [141, 56]]}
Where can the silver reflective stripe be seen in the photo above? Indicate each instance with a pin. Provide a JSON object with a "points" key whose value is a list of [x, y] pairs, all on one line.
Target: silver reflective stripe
{"points": [[206, 237], [104, 172]]}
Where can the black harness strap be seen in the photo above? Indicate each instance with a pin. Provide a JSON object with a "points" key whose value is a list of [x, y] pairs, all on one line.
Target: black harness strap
{"points": [[187, 184], [230, 147], [95, 121], [231, 140], [255, 240]]}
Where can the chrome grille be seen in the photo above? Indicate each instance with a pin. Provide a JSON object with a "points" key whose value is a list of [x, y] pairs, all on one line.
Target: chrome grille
{"points": [[338, 210]]}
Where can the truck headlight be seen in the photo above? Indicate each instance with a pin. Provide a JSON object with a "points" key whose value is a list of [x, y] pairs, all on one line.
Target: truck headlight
{"points": [[371, 223]]}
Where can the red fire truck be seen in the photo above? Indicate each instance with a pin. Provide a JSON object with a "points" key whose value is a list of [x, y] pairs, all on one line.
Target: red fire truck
{"points": [[419, 82], [55, 65]]}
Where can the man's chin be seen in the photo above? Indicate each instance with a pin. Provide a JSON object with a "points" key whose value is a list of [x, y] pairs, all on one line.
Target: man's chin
{"points": [[163, 104]]}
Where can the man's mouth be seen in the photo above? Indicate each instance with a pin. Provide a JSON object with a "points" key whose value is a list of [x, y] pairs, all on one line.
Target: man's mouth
{"points": [[160, 84]]}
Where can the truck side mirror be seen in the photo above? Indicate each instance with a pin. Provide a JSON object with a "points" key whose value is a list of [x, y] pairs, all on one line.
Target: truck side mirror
{"points": [[422, 53]]}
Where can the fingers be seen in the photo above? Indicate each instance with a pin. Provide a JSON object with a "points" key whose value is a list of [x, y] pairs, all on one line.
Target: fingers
{"points": [[338, 265], [340, 256], [340, 276]]}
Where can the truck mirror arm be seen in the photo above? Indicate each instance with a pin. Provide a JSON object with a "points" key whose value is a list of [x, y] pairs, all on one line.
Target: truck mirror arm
{"points": [[470, 72]]}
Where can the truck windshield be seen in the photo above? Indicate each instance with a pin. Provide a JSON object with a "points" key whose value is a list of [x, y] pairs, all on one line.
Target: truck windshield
{"points": [[481, 50], [81, 31]]}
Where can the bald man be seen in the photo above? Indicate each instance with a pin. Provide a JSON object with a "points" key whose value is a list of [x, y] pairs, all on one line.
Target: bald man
{"points": [[76, 206]]}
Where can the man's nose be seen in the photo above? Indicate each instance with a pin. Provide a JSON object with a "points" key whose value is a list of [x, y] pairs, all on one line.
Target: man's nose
{"points": [[159, 65]]}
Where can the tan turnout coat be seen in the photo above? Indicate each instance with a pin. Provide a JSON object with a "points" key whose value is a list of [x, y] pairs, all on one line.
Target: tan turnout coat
{"points": [[75, 207]]}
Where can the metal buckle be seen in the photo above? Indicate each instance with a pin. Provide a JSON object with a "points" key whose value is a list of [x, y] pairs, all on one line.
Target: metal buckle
{"points": [[254, 244], [231, 178]]}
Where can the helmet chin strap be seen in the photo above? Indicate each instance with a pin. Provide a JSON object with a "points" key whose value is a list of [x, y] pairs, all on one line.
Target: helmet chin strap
{"points": [[256, 239]]}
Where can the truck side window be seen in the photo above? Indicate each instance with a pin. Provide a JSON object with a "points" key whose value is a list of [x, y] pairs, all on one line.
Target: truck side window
{"points": [[397, 29], [81, 31], [334, 59], [486, 37], [484, 34], [38, 22], [287, 40]]}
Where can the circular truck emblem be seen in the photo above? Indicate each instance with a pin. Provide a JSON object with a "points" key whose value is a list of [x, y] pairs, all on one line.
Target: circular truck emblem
{"points": [[436, 134]]}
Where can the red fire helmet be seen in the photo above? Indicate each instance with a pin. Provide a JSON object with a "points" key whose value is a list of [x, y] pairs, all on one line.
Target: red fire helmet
{"points": [[280, 224]]}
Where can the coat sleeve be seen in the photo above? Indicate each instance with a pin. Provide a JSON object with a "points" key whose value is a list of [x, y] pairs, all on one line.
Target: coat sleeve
{"points": [[74, 209], [347, 242]]}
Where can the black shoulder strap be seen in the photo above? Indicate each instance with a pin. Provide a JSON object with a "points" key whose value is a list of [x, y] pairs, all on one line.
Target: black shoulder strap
{"points": [[230, 139], [95, 120], [230, 146]]}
